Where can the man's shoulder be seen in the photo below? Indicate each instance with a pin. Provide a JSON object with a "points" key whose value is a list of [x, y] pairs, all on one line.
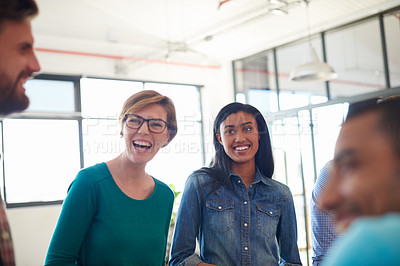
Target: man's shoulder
{"points": [[382, 228], [376, 238], [389, 221]]}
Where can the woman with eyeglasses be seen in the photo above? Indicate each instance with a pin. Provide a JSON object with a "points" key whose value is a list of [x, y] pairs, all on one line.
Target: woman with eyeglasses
{"points": [[115, 213], [234, 210]]}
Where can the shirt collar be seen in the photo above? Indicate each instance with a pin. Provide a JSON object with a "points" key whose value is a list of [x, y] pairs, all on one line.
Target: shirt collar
{"points": [[259, 177]]}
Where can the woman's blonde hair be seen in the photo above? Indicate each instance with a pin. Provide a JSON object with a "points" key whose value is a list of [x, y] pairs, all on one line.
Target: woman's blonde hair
{"points": [[145, 98]]}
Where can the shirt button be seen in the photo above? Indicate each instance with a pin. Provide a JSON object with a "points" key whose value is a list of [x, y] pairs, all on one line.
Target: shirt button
{"points": [[238, 181], [246, 248], [245, 202], [219, 207], [245, 224], [270, 212]]}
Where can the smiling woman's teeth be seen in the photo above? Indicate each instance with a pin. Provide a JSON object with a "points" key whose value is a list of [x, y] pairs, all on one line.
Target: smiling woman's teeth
{"points": [[241, 148], [143, 145]]}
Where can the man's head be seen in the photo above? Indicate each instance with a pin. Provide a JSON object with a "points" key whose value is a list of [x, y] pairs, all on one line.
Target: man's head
{"points": [[17, 59], [365, 174]]}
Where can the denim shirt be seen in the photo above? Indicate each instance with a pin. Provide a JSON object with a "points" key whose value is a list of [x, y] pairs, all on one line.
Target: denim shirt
{"points": [[254, 226]]}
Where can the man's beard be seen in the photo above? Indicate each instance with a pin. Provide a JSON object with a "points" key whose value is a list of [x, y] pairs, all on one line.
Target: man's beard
{"points": [[10, 100]]}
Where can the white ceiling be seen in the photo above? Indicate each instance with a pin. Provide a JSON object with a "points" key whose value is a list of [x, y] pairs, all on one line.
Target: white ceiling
{"points": [[160, 29]]}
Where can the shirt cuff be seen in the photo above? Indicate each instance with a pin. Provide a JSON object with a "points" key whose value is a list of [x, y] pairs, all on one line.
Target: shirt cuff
{"points": [[192, 260]]}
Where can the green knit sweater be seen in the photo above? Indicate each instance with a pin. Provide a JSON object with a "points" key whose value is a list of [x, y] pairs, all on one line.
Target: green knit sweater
{"points": [[100, 225]]}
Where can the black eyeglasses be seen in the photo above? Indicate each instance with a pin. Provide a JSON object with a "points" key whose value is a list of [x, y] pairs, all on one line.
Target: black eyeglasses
{"points": [[154, 125]]}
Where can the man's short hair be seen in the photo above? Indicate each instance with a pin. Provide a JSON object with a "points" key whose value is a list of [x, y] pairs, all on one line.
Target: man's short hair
{"points": [[17, 10], [389, 120], [360, 107]]}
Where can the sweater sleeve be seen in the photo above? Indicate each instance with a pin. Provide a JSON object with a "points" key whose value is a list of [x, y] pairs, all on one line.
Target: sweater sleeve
{"points": [[76, 215]]}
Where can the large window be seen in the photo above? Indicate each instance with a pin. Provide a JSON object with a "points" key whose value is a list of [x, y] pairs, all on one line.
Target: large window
{"points": [[41, 158], [50, 96], [41, 145], [72, 122]]}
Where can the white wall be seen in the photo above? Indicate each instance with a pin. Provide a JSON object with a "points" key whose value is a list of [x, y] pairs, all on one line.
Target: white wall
{"points": [[32, 227], [31, 230]]}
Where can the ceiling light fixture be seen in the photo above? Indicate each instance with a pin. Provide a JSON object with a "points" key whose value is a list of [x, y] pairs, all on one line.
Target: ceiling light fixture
{"points": [[277, 2], [313, 69], [278, 11]]}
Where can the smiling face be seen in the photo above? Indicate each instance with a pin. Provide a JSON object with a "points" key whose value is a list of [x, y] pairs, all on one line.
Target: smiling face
{"points": [[141, 144], [18, 63], [365, 177], [239, 137]]}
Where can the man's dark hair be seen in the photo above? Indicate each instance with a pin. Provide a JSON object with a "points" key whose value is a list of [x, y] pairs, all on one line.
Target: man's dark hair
{"points": [[389, 120], [17, 10], [360, 107]]}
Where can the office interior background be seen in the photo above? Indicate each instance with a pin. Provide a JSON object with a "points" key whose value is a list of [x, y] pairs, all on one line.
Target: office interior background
{"points": [[203, 55]]}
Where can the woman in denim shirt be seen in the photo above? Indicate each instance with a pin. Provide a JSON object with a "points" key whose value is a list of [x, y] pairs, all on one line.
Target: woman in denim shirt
{"points": [[237, 213]]}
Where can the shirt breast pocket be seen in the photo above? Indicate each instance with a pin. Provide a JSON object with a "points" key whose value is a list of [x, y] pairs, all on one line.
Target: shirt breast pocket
{"points": [[267, 220], [220, 215]]}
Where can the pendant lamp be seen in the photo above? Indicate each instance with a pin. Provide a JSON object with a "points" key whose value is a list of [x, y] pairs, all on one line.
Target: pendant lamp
{"points": [[313, 69]]}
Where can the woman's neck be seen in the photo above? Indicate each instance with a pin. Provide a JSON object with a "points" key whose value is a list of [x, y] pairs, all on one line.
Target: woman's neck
{"points": [[131, 178], [247, 171], [125, 169]]}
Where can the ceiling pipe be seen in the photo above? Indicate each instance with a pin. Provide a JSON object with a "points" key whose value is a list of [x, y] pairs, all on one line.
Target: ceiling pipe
{"points": [[222, 3], [130, 58]]}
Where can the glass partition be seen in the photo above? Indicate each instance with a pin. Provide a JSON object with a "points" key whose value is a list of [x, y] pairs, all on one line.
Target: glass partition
{"points": [[255, 80], [392, 35], [327, 123], [356, 55], [289, 170]]}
